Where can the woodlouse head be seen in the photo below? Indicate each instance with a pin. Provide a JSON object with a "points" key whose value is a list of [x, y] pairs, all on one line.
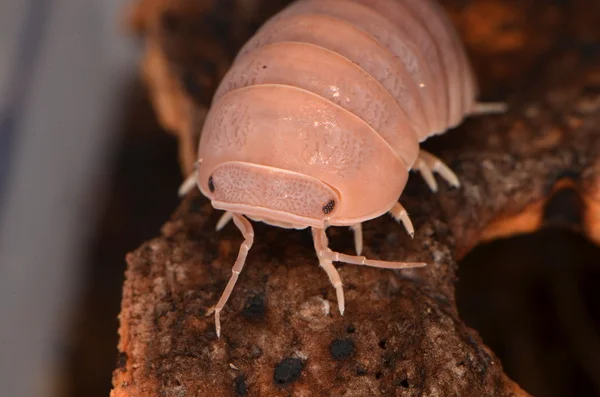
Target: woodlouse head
{"points": [[273, 195]]}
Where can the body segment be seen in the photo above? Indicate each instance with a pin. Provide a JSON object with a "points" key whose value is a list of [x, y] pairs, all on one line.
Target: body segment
{"points": [[292, 129]]}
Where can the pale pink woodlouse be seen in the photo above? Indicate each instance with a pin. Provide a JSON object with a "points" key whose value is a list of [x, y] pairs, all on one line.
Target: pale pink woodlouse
{"points": [[319, 120]]}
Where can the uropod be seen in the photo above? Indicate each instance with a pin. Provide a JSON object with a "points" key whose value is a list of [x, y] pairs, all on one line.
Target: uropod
{"points": [[319, 120]]}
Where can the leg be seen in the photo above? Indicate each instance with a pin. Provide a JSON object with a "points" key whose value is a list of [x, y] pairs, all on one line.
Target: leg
{"points": [[427, 163], [482, 108], [426, 172], [400, 215], [320, 241], [224, 220], [188, 184], [323, 251], [358, 237], [246, 228]]}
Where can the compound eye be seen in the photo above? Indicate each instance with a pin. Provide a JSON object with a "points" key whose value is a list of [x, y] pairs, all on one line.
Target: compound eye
{"points": [[211, 184], [327, 208]]}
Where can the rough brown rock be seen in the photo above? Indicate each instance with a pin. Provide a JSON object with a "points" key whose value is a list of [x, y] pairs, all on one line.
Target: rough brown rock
{"points": [[401, 334]]}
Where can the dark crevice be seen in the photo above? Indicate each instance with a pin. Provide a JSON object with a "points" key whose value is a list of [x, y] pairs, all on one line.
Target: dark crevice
{"points": [[534, 300]]}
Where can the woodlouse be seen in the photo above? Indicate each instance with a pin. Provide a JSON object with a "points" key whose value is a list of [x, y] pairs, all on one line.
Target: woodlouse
{"points": [[319, 120]]}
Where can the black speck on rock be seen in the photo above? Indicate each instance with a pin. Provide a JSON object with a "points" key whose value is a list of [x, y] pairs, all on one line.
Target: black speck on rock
{"points": [[241, 388], [122, 361], [361, 370], [255, 307], [288, 371], [341, 348]]}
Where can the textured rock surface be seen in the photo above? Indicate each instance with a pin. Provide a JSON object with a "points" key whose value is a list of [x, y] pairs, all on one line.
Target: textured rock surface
{"points": [[401, 334]]}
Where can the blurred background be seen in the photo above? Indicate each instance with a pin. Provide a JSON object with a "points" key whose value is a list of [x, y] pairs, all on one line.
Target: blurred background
{"points": [[87, 174]]}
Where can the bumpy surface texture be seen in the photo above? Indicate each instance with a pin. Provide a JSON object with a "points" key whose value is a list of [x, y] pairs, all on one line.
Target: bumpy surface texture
{"points": [[401, 334], [281, 191]]}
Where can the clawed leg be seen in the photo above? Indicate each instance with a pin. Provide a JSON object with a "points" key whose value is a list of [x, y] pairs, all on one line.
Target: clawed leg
{"points": [[321, 243], [325, 252], [327, 256], [188, 184], [426, 173], [246, 228], [400, 215], [427, 164], [483, 108]]}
